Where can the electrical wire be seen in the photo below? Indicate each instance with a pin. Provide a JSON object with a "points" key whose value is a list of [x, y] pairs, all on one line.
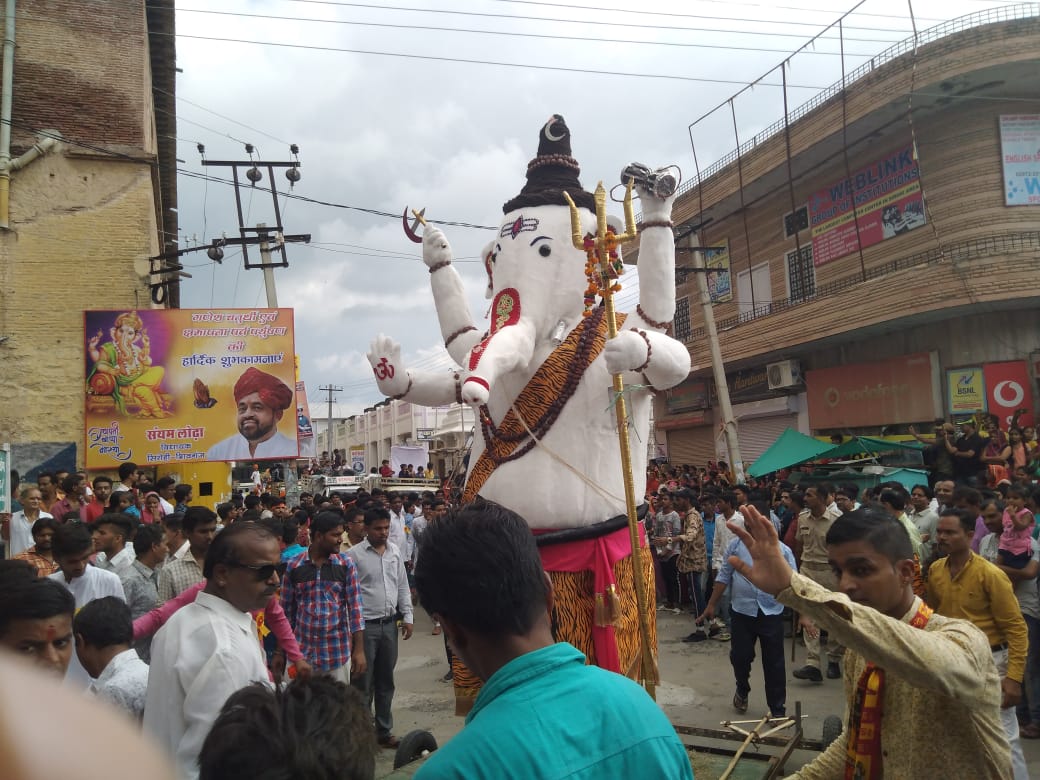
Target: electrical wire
{"points": [[217, 114], [557, 20], [181, 118], [728, 3], [379, 256], [543, 36], [305, 199], [525, 66]]}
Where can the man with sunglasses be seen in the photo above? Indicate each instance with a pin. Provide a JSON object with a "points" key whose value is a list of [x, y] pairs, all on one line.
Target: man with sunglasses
{"points": [[209, 648]]}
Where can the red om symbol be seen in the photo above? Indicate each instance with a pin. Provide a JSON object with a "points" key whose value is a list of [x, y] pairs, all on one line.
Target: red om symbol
{"points": [[383, 369]]}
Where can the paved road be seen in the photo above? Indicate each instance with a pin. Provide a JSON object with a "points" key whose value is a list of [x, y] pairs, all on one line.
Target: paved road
{"points": [[696, 689]]}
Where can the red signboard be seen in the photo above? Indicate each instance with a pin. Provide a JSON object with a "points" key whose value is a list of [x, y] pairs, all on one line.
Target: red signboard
{"points": [[899, 390], [1008, 389], [883, 199]]}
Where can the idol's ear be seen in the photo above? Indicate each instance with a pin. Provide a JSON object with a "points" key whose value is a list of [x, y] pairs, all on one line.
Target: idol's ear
{"points": [[487, 254]]}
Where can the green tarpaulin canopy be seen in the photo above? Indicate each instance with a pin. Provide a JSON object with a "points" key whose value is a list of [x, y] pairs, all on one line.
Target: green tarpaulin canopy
{"points": [[866, 444], [793, 448]]}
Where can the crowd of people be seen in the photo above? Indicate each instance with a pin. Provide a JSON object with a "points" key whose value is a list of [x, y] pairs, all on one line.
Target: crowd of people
{"points": [[262, 634], [971, 534], [171, 611]]}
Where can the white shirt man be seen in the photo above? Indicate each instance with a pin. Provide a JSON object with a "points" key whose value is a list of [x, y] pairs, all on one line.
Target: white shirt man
{"points": [[21, 526], [209, 649], [124, 683], [94, 584]]}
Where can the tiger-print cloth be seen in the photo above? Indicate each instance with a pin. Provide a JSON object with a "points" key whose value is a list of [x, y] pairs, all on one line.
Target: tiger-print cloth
{"points": [[533, 402], [572, 617]]}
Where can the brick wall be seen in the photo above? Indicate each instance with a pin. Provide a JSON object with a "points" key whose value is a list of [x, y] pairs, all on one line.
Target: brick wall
{"points": [[83, 223], [82, 71]]}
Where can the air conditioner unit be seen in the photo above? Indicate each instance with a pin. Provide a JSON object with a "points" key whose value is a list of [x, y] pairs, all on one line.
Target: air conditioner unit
{"points": [[784, 375]]}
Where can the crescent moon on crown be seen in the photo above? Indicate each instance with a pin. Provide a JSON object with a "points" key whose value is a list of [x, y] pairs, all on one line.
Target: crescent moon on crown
{"points": [[548, 131]]}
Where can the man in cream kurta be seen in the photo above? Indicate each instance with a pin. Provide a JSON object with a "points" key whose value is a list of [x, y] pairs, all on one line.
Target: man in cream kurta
{"points": [[940, 700], [209, 649]]}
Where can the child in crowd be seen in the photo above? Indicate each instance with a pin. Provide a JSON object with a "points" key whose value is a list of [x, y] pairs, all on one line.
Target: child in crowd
{"points": [[1018, 521]]}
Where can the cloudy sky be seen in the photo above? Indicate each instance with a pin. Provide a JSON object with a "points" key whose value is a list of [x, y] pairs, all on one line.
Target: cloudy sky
{"points": [[438, 104]]}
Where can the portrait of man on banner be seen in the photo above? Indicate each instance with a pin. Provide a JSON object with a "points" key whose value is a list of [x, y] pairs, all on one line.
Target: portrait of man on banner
{"points": [[260, 402]]}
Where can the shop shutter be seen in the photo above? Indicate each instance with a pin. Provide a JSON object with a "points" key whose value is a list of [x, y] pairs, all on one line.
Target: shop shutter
{"points": [[757, 434], [695, 446]]}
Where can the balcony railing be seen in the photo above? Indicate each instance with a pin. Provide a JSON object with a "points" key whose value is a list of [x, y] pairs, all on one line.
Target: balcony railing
{"points": [[961, 23], [987, 246]]}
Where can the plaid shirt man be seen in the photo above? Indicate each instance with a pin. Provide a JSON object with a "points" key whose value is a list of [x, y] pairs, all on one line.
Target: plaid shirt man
{"points": [[177, 576], [323, 607], [44, 566]]}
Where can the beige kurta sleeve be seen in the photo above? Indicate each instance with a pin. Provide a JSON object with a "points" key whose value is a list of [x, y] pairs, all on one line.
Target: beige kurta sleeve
{"points": [[953, 661]]}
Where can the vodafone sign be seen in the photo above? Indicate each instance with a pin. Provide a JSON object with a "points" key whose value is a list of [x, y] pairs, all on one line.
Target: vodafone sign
{"points": [[899, 390], [1008, 389]]}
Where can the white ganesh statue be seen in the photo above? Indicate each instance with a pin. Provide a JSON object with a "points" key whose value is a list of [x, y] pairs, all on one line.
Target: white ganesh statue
{"points": [[540, 379]]}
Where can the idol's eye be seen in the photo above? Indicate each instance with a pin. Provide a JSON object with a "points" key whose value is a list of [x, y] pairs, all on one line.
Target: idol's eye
{"points": [[544, 249]]}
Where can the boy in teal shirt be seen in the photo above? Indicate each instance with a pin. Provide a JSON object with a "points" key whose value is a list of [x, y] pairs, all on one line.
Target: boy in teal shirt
{"points": [[542, 713]]}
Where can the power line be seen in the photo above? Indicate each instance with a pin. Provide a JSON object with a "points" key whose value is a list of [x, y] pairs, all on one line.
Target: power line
{"points": [[594, 22], [526, 66], [305, 199], [543, 36], [222, 116], [181, 118], [381, 257], [720, 2], [207, 177]]}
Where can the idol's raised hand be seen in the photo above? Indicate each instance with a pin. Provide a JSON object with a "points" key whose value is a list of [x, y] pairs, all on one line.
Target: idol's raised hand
{"points": [[769, 572]]}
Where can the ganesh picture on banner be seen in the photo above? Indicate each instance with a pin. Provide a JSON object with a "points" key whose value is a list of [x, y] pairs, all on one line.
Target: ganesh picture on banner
{"points": [[122, 371]]}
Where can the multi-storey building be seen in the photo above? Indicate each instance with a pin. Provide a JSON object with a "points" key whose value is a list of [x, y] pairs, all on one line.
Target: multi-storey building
{"points": [[442, 430], [91, 175], [882, 246]]}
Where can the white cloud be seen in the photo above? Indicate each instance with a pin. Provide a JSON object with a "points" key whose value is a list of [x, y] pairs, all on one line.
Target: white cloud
{"points": [[383, 132]]}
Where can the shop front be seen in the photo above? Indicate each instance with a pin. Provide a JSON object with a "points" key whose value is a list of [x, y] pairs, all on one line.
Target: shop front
{"points": [[687, 425], [864, 398], [762, 414]]}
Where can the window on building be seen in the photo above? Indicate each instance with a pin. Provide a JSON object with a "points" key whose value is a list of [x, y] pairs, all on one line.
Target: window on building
{"points": [[801, 276], [682, 319], [795, 221], [754, 292]]}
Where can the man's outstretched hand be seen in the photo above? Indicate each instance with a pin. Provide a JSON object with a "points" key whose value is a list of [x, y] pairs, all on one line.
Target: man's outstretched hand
{"points": [[769, 572]]}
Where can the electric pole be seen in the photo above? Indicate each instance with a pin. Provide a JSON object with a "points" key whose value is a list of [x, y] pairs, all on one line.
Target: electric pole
{"points": [[330, 389], [718, 368], [167, 266]]}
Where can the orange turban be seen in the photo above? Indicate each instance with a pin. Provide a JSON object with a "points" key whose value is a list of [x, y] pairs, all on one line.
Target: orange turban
{"points": [[273, 391]]}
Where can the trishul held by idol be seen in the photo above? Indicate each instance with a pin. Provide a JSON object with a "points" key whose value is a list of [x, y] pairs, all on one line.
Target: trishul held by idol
{"points": [[604, 258]]}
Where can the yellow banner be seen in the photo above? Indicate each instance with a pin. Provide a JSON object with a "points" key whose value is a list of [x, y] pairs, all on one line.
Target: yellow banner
{"points": [[166, 386], [966, 390]]}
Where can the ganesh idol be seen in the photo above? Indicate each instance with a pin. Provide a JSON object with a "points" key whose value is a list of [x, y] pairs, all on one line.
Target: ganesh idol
{"points": [[540, 379]]}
